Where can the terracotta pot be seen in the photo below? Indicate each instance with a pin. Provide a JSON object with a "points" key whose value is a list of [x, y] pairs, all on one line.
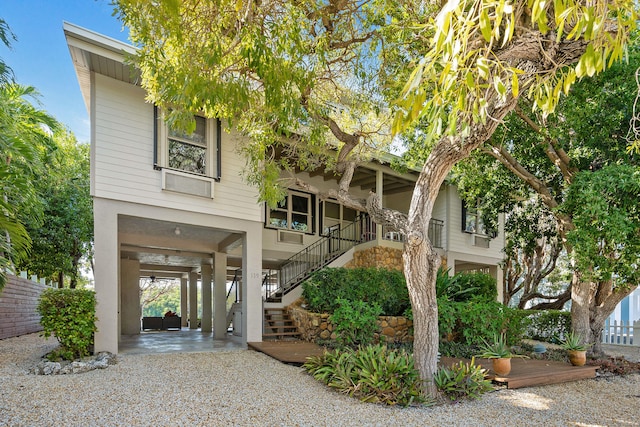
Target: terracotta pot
{"points": [[501, 367], [577, 357]]}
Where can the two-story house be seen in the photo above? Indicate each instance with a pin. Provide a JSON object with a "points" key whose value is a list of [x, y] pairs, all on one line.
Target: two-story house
{"points": [[170, 205]]}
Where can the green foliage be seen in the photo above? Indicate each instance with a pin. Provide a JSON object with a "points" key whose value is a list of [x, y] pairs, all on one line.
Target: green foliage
{"points": [[466, 71], [372, 374], [465, 286], [65, 235], [386, 288], [549, 325], [355, 322], [23, 144], [462, 380], [69, 314], [604, 207], [471, 322]]}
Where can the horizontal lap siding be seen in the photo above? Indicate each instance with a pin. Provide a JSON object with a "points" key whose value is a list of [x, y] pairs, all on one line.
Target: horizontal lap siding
{"points": [[123, 166], [18, 303]]}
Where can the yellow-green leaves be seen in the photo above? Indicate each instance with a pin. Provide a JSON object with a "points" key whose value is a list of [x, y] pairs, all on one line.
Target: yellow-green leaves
{"points": [[485, 25], [472, 45]]}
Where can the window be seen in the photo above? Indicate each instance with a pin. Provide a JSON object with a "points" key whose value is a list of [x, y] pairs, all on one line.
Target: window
{"points": [[472, 220], [335, 215], [197, 153], [295, 212]]}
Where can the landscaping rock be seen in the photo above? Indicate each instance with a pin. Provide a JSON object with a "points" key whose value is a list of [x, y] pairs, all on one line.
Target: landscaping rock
{"points": [[101, 360]]}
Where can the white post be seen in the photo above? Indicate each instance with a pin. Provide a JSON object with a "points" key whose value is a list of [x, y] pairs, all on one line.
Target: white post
{"points": [[220, 295], [193, 300], [206, 274], [184, 302]]}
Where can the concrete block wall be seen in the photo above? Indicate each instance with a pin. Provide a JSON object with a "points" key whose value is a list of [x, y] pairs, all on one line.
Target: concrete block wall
{"points": [[18, 302]]}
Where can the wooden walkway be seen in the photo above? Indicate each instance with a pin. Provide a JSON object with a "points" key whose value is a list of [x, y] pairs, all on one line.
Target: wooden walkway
{"points": [[524, 372], [288, 351], [533, 372]]}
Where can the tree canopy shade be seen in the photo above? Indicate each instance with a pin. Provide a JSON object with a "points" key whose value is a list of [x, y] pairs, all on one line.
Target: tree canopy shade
{"points": [[319, 76], [577, 165]]}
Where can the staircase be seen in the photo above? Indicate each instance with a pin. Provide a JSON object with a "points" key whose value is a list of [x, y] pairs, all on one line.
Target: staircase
{"points": [[278, 324], [300, 266]]}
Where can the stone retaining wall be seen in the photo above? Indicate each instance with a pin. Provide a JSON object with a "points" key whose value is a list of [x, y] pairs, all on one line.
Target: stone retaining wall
{"points": [[314, 326], [18, 302], [377, 256]]}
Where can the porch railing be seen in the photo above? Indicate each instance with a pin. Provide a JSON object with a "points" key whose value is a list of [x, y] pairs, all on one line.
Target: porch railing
{"points": [[621, 332], [390, 233], [299, 267]]}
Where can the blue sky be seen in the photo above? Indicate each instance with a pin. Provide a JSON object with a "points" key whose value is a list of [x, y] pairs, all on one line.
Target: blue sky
{"points": [[40, 56]]}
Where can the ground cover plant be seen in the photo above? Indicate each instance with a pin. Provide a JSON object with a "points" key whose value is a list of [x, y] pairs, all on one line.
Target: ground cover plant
{"points": [[462, 380], [374, 374]]}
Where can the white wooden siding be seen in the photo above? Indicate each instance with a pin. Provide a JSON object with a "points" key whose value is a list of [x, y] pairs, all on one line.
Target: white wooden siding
{"points": [[123, 166], [459, 241]]}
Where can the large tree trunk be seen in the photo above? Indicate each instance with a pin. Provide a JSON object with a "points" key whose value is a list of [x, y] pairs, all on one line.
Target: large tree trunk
{"points": [[422, 261], [591, 304]]}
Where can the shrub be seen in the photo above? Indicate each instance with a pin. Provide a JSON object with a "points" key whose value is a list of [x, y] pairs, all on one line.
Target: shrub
{"points": [[387, 288], [471, 322], [549, 325], [465, 286], [69, 314], [462, 380], [372, 374], [355, 322]]}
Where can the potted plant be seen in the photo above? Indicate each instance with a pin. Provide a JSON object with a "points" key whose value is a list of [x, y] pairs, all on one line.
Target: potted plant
{"points": [[576, 349], [499, 353]]}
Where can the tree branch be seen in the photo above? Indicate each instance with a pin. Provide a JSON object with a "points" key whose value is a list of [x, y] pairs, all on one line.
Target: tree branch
{"points": [[504, 157], [553, 150]]}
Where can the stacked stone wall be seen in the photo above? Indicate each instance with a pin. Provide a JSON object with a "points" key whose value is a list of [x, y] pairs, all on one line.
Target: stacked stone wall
{"points": [[377, 256], [317, 326]]}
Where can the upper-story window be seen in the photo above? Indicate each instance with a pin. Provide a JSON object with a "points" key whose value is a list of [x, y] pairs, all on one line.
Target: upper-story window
{"points": [[472, 220], [294, 212], [196, 153]]}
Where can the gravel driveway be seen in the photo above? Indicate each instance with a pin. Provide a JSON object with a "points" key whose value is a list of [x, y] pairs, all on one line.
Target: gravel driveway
{"points": [[245, 388]]}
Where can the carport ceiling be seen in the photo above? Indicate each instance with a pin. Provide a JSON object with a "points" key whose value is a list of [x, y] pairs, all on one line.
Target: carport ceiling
{"points": [[172, 247]]}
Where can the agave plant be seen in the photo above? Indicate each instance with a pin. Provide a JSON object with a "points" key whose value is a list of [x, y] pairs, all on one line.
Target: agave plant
{"points": [[574, 342], [497, 349]]}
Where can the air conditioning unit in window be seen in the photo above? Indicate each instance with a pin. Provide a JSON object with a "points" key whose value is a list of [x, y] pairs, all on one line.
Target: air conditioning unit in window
{"points": [[288, 237], [480, 241], [185, 183]]}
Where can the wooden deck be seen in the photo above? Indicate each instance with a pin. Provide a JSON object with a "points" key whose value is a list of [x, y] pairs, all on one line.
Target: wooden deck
{"points": [[531, 372], [524, 372], [288, 351]]}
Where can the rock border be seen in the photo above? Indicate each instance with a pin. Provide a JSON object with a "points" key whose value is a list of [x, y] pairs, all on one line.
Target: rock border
{"points": [[101, 360]]}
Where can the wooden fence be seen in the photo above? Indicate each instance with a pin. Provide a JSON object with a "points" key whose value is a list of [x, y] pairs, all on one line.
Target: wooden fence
{"points": [[18, 302], [621, 332]]}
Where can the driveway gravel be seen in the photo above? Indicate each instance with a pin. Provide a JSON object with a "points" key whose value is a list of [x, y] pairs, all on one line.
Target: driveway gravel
{"points": [[245, 388]]}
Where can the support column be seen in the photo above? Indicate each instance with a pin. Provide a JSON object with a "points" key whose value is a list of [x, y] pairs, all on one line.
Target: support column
{"points": [[379, 189], [193, 300], [184, 302], [130, 293], [220, 295], [206, 273], [251, 294], [107, 279]]}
